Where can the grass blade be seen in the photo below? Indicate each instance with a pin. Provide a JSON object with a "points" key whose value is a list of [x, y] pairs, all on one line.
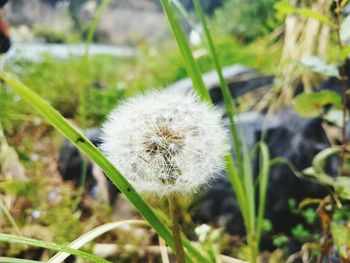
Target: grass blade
{"points": [[72, 134], [190, 64], [229, 103], [17, 260], [51, 246], [263, 181], [202, 92], [89, 236], [9, 217], [94, 24], [244, 192], [238, 188]]}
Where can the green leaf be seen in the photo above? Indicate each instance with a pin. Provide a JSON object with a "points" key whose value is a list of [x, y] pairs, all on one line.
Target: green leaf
{"points": [[300, 232], [345, 30], [94, 233], [280, 240], [284, 8], [318, 65], [312, 104], [342, 186], [344, 52], [312, 14], [52, 246], [320, 177], [341, 237], [317, 169], [15, 187], [319, 160]]}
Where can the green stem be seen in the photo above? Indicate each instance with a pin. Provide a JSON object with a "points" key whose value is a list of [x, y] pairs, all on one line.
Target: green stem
{"points": [[174, 214], [94, 24], [190, 64], [230, 104]]}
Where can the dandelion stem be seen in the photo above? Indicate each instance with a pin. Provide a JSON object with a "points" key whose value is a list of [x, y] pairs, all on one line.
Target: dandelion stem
{"points": [[174, 214]]}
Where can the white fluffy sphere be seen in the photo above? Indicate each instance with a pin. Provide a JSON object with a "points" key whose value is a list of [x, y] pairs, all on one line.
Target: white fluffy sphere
{"points": [[166, 142]]}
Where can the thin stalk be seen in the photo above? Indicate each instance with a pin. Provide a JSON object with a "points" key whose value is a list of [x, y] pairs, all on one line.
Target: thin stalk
{"points": [[9, 217], [241, 154], [248, 183], [174, 214], [202, 92], [345, 88], [190, 64], [83, 92], [184, 13], [238, 188], [93, 25], [264, 159], [163, 251], [230, 104]]}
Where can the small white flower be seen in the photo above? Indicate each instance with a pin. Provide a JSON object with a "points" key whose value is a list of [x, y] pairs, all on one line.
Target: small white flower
{"points": [[202, 232], [36, 214], [165, 142]]}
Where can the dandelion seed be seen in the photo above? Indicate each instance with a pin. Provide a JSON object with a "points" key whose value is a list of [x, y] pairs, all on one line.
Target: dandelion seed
{"points": [[165, 142]]}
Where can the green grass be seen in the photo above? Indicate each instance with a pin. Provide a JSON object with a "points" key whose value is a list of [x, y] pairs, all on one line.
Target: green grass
{"points": [[239, 168], [85, 90]]}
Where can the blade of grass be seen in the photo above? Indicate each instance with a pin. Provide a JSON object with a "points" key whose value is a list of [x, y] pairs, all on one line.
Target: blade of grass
{"points": [[248, 183], [94, 233], [51, 246], [9, 217], [237, 188], [229, 103], [72, 134], [264, 162], [243, 158], [245, 195], [82, 108], [93, 25], [17, 260], [184, 13], [190, 64], [202, 92]]}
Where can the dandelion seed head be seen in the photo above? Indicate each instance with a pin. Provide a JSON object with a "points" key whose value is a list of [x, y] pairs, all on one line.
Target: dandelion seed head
{"points": [[166, 142]]}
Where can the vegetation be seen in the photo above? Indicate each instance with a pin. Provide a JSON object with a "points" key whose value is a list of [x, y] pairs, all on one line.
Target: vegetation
{"points": [[41, 214]]}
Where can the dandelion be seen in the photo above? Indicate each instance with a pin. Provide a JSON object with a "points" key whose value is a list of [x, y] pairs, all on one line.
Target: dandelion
{"points": [[166, 143]]}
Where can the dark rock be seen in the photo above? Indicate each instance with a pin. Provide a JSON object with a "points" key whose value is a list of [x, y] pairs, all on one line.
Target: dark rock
{"points": [[289, 136], [71, 167], [71, 161]]}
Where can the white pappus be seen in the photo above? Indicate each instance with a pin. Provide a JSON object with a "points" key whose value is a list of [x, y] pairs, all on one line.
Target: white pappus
{"points": [[166, 142]]}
